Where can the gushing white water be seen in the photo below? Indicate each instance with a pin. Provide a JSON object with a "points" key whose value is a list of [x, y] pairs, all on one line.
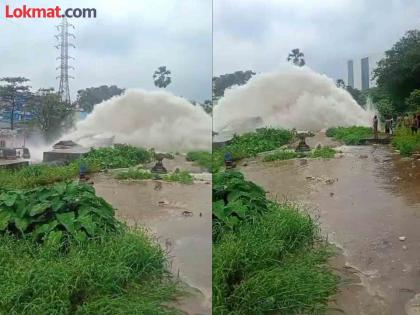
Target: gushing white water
{"points": [[293, 98], [156, 119]]}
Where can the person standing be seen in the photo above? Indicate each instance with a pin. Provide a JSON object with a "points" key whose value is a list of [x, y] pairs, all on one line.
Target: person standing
{"points": [[375, 126], [414, 124]]}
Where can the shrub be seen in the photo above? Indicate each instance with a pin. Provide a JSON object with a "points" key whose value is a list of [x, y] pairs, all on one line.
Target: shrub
{"points": [[252, 143], [119, 156], [179, 176], [281, 155], [65, 209], [324, 152]]}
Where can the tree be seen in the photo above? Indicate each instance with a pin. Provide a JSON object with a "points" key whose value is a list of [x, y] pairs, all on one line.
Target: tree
{"points": [[50, 114], [161, 77], [296, 57], [413, 101], [340, 84], [89, 97], [399, 71], [225, 81], [208, 106], [13, 94], [357, 95]]}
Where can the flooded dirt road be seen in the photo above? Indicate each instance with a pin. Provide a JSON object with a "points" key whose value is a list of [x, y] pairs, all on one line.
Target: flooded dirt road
{"points": [[368, 203], [180, 217]]}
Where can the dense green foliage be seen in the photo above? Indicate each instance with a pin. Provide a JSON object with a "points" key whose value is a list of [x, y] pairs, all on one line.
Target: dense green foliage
{"points": [[89, 97], [349, 135], [234, 200], [405, 142], [65, 209], [50, 114], [201, 158], [398, 73], [252, 143], [357, 95], [266, 257], [119, 156], [122, 273], [413, 101]]}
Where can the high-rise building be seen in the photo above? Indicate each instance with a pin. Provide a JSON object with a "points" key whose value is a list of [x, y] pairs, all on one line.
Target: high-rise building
{"points": [[365, 73], [350, 73]]}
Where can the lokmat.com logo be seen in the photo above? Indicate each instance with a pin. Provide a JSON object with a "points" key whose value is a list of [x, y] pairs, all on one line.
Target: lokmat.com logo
{"points": [[26, 12]]}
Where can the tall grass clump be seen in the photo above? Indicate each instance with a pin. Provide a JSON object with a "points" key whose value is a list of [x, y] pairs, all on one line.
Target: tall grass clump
{"points": [[123, 273], [271, 259]]}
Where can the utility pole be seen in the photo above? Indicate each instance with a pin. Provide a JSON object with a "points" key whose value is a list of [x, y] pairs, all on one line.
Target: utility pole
{"points": [[64, 44]]}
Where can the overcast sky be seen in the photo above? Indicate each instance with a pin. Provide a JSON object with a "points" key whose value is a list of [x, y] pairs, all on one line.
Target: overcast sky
{"points": [[124, 45], [258, 35]]}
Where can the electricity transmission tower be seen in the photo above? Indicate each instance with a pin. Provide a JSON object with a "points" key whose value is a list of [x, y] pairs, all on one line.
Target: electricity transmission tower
{"points": [[64, 44]]}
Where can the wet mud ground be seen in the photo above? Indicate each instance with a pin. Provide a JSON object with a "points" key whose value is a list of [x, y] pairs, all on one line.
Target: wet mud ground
{"points": [[367, 201], [179, 217]]}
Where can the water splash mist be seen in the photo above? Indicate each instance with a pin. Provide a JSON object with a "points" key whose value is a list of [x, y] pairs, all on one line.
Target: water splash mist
{"points": [[141, 118], [293, 98]]}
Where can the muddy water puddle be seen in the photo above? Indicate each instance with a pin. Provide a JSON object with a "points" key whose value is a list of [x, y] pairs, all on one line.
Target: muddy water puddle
{"points": [[367, 200], [180, 217]]}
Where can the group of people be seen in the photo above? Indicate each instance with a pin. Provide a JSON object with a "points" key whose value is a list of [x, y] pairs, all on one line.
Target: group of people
{"points": [[406, 121], [412, 123]]}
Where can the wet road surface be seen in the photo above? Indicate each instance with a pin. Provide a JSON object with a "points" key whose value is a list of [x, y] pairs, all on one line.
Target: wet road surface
{"points": [[367, 200], [180, 217]]}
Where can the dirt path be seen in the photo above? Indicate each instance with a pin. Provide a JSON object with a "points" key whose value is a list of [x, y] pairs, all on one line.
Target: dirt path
{"points": [[366, 199], [180, 217]]}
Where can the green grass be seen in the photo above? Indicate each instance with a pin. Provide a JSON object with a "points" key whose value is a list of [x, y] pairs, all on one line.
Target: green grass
{"points": [[140, 174], [201, 158], [272, 264], [271, 260], [132, 173], [115, 274], [96, 160], [405, 142], [250, 144], [350, 135], [39, 175]]}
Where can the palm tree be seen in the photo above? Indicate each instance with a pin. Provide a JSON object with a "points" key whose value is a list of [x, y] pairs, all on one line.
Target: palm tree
{"points": [[297, 57], [161, 77], [340, 84]]}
